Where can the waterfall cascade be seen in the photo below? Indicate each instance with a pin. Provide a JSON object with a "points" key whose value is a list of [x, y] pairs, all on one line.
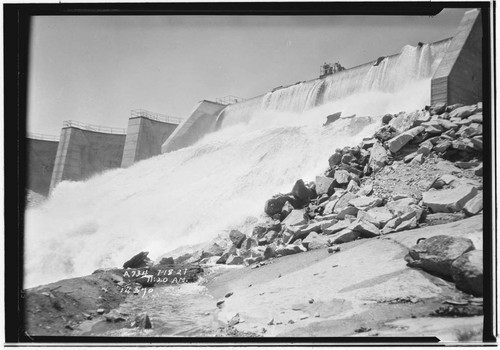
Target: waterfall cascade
{"points": [[222, 182]]}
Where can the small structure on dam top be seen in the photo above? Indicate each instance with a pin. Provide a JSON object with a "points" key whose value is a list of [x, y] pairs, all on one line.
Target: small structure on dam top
{"points": [[328, 68]]}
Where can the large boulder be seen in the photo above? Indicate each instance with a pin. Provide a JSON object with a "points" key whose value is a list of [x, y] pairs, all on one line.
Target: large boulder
{"points": [[302, 193], [449, 201], [405, 121], [275, 205], [335, 159], [315, 241], [237, 238], [396, 143], [436, 254], [400, 206], [332, 118], [475, 205], [345, 236], [290, 249], [341, 178], [365, 228], [378, 157], [323, 184], [463, 112], [380, 215], [467, 272], [262, 228], [296, 217]]}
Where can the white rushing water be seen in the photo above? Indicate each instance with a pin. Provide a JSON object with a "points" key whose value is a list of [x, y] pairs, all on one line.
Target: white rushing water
{"points": [[194, 194]]}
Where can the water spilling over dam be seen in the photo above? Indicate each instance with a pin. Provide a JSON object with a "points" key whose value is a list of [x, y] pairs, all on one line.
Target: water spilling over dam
{"points": [[219, 181]]}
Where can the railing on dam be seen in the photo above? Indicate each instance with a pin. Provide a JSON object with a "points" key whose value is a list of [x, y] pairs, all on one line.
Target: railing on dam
{"points": [[43, 137], [155, 116], [229, 100], [96, 128]]}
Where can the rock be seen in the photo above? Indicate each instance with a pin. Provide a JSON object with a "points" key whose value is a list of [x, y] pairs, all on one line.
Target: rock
{"points": [[472, 130], [380, 216], [234, 320], [167, 261], [315, 241], [446, 124], [463, 112], [478, 171], [425, 148], [365, 228], [237, 238], [344, 236], [422, 118], [368, 143], [418, 159], [396, 143], [403, 121], [302, 193], [433, 127], [438, 108], [347, 158], [249, 243], [476, 118], [296, 217], [385, 133], [343, 202], [234, 260], [452, 107], [442, 146], [477, 142], [137, 261], [271, 236], [342, 178], [378, 157], [387, 118], [114, 316], [352, 187], [275, 205], [449, 201], [100, 311], [436, 254], [332, 118], [335, 159], [302, 232], [409, 224], [346, 212], [366, 190], [467, 272], [270, 252], [290, 249], [323, 184], [337, 227], [474, 205], [400, 206], [365, 203], [142, 321], [262, 228]]}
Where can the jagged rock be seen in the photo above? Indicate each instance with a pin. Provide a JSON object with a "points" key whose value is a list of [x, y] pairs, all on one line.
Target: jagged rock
{"points": [[462, 145], [237, 238], [344, 236], [476, 118], [142, 321], [449, 201], [234, 320], [400, 206], [444, 115], [474, 205], [342, 178], [396, 143], [262, 228], [446, 124], [422, 118], [438, 108], [234, 260], [323, 184], [364, 216], [472, 130], [408, 224], [315, 241], [463, 112], [290, 249], [347, 211], [138, 261], [227, 253], [365, 203], [462, 122], [286, 210], [479, 170], [302, 193], [433, 127], [303, 231], [275, 205], [381, 215], [403, 122], [337, 227], [385, 133], [418, 159], [353, 187], [343, 202], [436, 254], [249, 243], [378, 157], [347, 158], [271, 236], [425, 148], [114, 316], [350, 169], [335, 159], [270, 252], [452, 107], [296, 217], [477, 142], [167, 261], [467, 272], [366, 190], [442, 146], [365, 228], [368, 143]]}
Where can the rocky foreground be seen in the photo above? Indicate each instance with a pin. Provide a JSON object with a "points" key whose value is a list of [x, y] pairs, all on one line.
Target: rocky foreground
{"points": [[387, 242]]}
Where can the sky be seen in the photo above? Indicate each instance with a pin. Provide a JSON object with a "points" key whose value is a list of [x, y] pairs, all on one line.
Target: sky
{"points": [[96, 69]]}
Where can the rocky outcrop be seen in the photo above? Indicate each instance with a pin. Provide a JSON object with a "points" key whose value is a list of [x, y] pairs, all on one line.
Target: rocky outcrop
{"points": [[138, 261], [449, 201], [437, 254]]}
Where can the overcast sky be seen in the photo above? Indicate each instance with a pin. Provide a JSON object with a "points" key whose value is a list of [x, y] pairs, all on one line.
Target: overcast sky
{"points": [[96, 69]]}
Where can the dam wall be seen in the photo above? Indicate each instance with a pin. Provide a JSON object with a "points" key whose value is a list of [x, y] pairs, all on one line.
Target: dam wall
{"points": [[201, 122], [41, 155], [458, 78], [85, 150], [146, 133]]}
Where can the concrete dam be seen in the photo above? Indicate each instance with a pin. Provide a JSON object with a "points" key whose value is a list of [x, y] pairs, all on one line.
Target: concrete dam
{"points": [[450, 71]]}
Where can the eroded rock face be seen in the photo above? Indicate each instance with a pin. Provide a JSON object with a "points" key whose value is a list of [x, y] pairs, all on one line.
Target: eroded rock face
{"points": [[467, 272], [436, 254]]}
